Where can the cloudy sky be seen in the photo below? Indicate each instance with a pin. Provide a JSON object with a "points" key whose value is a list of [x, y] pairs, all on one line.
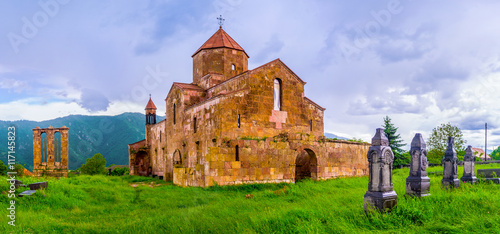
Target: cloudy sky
{"points": [[422, 63]]}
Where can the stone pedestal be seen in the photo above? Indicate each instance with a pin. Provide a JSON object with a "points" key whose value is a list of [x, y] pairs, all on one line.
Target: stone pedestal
{"points": [[450, 161], [417, 183], [469, 160], [380, 195]]}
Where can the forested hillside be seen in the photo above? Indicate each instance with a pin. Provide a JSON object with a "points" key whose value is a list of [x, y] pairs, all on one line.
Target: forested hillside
{"points": [[88, 135]]}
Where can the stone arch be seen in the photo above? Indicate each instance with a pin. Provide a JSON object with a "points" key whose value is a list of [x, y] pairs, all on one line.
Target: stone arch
{"points": [[177, 158], [142, 163], [306, 164]]}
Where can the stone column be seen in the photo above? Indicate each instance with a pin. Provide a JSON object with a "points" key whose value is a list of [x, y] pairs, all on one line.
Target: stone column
{"points": [[450, 161], [417, 183], [64, 147], [380, 194], [469, 160], [50, 147], [37, 147]]}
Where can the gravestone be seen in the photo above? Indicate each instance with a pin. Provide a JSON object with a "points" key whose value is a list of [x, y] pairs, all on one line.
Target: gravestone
{"points": [[450, 161], [417, 183], [469, 160], [380, 194], [38, 185], [27, 193]]}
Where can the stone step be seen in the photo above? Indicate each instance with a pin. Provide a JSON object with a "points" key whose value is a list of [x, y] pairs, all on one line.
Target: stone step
{"points": [[26, 193]]}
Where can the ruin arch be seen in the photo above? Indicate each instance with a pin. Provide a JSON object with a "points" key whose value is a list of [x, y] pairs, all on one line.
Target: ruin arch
{"points": [[177, 158], [306, 164]]}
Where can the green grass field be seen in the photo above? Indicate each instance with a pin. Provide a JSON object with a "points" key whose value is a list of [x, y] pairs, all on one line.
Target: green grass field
{"points": [[98, 204]]}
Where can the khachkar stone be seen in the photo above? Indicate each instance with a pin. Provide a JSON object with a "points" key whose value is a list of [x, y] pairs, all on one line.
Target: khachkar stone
{"points": [[418, 184], [380, 194], [450, 161], [469, 159]]}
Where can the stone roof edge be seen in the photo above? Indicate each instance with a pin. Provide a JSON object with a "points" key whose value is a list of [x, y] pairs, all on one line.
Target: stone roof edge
{"points": [[230, 79], [218, 47], [290, 70], [137, 142], [255, 69], [315, 104], [174, 85], [213, 98]]}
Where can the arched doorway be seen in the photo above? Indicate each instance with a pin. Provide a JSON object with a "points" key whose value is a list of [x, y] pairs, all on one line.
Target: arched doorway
{"points": [[305, 165], [142, 163]]}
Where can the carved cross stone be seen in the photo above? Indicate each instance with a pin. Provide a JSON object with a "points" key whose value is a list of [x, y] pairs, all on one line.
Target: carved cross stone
{"points": [[380, 194], [450, 161], [279, 117], [469, 159], [417, 183]]}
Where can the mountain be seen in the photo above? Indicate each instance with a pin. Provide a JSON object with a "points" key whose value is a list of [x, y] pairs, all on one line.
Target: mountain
{"points": [[331, 135], [88, 135]]}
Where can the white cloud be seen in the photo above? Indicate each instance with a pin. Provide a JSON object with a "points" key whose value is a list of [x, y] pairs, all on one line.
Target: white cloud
{"points": [[433, 63]]}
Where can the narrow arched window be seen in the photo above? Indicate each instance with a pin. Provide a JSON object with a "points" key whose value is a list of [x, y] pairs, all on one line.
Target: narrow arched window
{"points": [[237, 153], [174, 114], [43, 144], [233, 67], [277, 94], [194, 124]]}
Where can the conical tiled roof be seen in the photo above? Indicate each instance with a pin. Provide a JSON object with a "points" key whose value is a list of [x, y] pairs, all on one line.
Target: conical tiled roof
{"points": [[150, 105], [220, 39]]}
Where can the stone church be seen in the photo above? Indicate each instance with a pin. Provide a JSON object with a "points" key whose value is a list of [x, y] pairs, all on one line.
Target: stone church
{"points": [[232, 125]]}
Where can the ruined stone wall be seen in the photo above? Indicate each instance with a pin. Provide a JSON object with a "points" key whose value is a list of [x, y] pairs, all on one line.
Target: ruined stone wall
{"points": [[343, 158], [156, 149], [51, 165], [273, 160]]}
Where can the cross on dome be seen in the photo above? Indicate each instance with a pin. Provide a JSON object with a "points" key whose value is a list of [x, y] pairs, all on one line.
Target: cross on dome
{"points": [[221, 20]]}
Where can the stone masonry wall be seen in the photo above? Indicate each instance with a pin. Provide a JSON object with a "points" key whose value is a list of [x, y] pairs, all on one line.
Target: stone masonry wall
{"points": [[273, 161]]}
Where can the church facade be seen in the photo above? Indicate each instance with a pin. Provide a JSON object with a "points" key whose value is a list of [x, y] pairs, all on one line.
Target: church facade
{"points": [[232, 125]]}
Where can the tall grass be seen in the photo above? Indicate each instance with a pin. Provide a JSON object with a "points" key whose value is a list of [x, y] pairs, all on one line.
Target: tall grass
{"points": [[96, 204]]}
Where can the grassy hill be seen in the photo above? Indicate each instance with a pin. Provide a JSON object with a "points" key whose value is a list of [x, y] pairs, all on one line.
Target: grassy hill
{"points": [[88, 135], [130, 204]]}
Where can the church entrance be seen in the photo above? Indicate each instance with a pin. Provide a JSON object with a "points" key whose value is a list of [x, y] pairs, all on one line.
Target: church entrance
{"points": [[305, 165]]}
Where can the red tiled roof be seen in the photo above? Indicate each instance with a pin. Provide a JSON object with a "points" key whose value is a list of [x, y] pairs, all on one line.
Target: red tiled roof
{"points": [[150, 105], [188, 86], [480, 152], [220, 39]]}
